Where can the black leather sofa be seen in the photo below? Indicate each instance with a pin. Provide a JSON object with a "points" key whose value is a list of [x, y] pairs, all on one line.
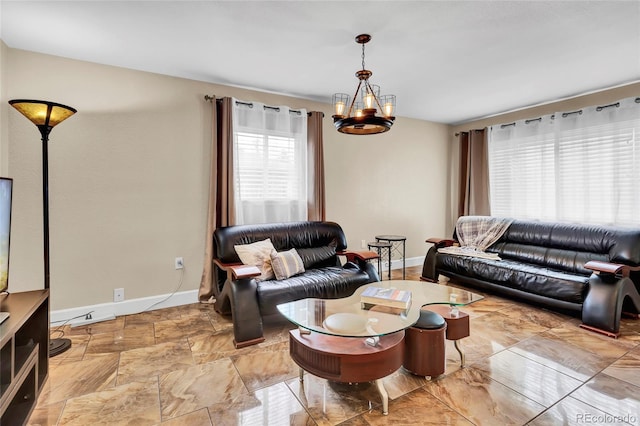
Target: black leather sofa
{"points": [[248, 300], [592, 271]]}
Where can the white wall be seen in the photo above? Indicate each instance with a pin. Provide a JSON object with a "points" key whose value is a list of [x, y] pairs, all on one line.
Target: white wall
{"points": [[128, 178]]}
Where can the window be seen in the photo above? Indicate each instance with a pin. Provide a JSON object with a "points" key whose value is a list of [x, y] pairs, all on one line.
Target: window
{"points": [[579, 166], [270, 163]]}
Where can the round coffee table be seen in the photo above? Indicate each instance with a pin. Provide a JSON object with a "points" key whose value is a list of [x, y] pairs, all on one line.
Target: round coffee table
{"points": [[345, 340], [347, 359]]}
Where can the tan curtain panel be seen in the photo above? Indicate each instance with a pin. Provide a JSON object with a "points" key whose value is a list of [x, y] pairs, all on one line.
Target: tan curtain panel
{"points": [[221, 210], [474, 174], [315, 156]]}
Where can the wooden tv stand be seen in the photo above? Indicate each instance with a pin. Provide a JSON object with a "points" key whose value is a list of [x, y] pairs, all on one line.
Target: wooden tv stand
{"points": [[24, 354]]}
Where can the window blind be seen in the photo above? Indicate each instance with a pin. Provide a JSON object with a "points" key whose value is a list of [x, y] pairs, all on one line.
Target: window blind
{"points": [[270, 163], [268, 167], [576, 167], [598, 174]]}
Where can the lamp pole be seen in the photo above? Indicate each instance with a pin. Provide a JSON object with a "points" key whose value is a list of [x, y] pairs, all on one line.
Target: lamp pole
{"points": [[46, 115], [44, 131]]}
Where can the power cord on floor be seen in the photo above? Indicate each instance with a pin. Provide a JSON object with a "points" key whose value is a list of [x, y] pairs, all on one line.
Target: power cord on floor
{"points": [[169, 296], [64, 322], [59, 328]]}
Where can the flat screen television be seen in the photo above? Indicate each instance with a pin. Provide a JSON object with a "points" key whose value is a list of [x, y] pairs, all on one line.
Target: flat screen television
{"points": [[6, 191]]}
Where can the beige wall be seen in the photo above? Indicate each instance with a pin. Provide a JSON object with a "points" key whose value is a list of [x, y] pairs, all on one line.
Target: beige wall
{"points": [[603, 97], [128, 177], [4, 128], [391, 183]]}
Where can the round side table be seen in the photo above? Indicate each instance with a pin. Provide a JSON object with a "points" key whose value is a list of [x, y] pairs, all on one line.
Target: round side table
{"points": [[380, 246], [397, 242]]}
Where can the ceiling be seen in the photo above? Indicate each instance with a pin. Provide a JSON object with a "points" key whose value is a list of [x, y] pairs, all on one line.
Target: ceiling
{"points": [[446, 61]]}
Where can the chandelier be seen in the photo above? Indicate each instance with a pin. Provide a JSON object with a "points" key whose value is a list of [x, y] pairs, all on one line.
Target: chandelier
{"points": [[357, 116]]}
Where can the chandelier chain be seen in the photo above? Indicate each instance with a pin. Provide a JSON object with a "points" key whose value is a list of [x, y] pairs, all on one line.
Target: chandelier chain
{"points": [[363, 56]]}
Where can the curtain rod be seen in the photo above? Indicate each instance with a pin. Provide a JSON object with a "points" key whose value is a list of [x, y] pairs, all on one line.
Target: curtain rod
{"points": [[600, 108], [274, 108], [566, 114], [472, 130], [250, 105]]}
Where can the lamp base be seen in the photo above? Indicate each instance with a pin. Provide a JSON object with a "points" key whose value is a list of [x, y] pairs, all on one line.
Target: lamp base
{"points": [[57, 346]]}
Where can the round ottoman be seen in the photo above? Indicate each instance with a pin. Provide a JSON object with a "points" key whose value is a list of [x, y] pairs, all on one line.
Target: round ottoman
{"points": [[424, 345]]}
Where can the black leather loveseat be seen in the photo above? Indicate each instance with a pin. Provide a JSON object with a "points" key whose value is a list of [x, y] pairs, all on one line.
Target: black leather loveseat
{"points": [[319, 245], [589, 270]]}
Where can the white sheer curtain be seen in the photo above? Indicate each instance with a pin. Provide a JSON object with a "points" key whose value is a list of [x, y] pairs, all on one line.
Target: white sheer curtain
{"points": [[521, 169], [270, 163], [575, 166], [599, 152]]}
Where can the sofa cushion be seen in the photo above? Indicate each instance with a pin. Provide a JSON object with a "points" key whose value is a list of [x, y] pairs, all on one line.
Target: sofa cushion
{"points": [[534, 279], [324, 283], [318, 257], [286, 264], [571, 261], [257, 254], [284, 236], [617, 245]]}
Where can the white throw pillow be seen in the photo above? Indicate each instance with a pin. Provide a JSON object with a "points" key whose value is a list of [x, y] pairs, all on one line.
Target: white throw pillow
{"points": [[258, 254]]}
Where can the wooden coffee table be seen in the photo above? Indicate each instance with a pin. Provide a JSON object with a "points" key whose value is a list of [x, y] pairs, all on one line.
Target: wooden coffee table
{"points": [[348, 360], [338, 340]]}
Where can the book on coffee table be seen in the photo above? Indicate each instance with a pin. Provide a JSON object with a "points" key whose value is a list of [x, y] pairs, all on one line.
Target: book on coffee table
{"points": [[391, 297]]}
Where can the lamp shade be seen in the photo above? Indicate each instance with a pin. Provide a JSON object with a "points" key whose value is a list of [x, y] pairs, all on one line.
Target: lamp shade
{"points": [[43, 113]]}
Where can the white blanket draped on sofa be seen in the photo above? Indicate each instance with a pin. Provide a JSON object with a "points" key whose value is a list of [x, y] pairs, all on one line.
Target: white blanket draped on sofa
{"points": [[476, 234]]}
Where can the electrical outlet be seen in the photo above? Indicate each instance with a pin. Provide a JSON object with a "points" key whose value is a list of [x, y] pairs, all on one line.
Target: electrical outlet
{"points": [[363, 244], [179, 263], [118, 294]]}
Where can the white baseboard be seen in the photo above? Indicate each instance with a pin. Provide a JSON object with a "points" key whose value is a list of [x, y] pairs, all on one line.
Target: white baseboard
{"points": [[107, 311], [397, 263]]}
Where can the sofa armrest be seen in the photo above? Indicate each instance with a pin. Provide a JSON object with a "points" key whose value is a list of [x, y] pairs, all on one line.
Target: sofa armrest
{"points": [[441, 242], [610, 268], [238, 270], [244, 271], [362, 256]]}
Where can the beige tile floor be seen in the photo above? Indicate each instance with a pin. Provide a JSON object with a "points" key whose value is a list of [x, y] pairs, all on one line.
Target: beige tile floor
{"points": [[178, 366]]}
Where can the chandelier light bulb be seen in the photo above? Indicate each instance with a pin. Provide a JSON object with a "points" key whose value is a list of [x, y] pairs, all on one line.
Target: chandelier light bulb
{"points": [[368, 100]]}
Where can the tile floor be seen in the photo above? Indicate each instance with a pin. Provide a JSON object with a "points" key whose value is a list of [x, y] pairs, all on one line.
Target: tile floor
{"points": [[178, 366]]}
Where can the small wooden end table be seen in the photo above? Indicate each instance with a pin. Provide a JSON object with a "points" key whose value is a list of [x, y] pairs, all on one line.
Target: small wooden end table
{"points": [[457, 326]]}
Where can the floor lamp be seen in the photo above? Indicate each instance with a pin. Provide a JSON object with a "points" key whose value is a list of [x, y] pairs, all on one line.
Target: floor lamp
{"points": [[46, 115]]}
